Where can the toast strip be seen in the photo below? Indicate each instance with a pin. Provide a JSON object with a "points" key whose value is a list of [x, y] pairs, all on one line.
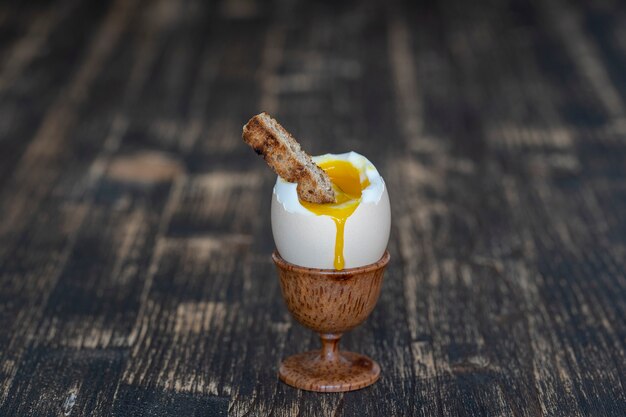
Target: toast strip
{"points": [[284, 155]]}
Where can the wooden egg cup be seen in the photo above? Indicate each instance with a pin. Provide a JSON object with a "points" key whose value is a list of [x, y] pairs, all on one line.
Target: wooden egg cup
{"points": [[330, 303]]}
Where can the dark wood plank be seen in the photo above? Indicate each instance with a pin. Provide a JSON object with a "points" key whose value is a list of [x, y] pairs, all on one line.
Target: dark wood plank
{"points": [[36, 69], [135, 276], [39, 254], [80, 382], [39, 225]]}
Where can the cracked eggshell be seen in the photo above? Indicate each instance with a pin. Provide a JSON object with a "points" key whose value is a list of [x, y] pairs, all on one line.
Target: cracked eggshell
{"points": [[308, 240]]}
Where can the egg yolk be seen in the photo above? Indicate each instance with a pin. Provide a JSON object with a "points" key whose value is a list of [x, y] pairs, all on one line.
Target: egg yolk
{"points": [[348, 187]]}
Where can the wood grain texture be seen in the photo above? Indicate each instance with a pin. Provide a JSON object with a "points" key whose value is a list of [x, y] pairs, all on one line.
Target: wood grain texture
{"points": [[135, 269]]}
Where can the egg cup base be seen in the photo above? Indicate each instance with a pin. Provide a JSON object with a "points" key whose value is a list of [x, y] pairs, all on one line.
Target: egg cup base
{"points": [[309, 371]]}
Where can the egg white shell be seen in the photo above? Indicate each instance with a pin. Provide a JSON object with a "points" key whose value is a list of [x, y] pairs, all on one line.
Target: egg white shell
{"points": [[306, 239]]}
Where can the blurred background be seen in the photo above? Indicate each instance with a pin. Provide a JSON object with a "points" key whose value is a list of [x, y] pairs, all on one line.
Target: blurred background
{"points": [[134, 222]]}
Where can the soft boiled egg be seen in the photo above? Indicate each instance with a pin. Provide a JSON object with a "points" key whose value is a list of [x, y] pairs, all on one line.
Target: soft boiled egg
{"points": [[351, 232]]}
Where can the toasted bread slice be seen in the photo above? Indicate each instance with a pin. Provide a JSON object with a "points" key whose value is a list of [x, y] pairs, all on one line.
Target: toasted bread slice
{"points": [[283, 154]]}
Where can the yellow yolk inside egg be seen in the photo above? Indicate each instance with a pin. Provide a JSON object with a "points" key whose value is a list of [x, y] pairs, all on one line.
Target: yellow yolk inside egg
{"points": [[348, 187]]}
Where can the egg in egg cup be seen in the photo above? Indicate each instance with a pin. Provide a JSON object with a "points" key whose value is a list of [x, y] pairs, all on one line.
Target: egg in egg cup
{"points": [[331, 259], [330, 221]]}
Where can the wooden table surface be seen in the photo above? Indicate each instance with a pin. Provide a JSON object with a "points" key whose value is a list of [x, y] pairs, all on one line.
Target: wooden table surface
{"points": [[135, 240]]}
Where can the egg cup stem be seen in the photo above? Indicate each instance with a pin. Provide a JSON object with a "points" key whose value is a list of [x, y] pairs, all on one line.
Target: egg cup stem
{"points": [[330, 347], [330, 303]]}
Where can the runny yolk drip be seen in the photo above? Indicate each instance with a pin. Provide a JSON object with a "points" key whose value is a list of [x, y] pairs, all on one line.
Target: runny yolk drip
{"points": [[348, 188]]}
